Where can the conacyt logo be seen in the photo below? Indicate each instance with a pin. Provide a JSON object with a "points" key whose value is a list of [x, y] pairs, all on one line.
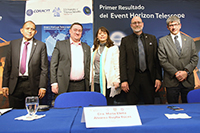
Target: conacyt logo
{"points": [[30, 12]]}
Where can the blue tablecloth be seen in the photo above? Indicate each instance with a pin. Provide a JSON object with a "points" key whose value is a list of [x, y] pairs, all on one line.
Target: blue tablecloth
{"points": [[69, 120], [153, 121], [55, 121]]}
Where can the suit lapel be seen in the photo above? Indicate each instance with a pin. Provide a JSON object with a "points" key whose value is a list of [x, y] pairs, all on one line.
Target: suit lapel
{"points": [[133, 41], [84, 53], [68, 49], [183, 42], [18, 48], [34, 45], [147, 44]]}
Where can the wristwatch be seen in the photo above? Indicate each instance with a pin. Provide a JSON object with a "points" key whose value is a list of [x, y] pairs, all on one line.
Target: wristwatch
{"points": [[188, 73]]}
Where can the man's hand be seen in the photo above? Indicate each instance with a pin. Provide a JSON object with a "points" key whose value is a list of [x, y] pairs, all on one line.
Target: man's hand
{"points": [[54, 88], [41, 93], [6, 92], [157, 85], [181, 75], [125, 87]]}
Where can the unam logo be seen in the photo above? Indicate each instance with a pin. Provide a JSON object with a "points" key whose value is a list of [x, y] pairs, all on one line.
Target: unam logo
{"points": [[56, 12], [116, 36], [29, 12], [87, 10]]}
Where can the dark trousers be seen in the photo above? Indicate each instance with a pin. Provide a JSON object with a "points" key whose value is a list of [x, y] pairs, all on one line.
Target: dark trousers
{"points": [[22, 90], [76, 86], [174, 92], [141, 86], [110, 100]]}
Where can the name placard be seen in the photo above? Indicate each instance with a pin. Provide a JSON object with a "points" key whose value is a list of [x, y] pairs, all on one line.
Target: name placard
{"points": [[111, 116]]}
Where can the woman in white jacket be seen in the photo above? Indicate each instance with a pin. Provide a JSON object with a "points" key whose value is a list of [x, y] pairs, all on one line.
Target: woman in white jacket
{"points": [[104, 72]]}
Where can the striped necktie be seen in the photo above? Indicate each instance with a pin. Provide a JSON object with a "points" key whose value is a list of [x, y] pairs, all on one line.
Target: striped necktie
{"points": [[177, 43]]}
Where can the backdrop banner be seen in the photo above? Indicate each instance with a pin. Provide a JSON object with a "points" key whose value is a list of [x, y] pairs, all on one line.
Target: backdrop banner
{"points": [[116, 16]]}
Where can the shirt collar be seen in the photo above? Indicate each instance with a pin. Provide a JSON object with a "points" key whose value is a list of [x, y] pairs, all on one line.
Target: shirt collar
{"points": [[71, 42], [172, 35], [141, 35], [30, 41]]}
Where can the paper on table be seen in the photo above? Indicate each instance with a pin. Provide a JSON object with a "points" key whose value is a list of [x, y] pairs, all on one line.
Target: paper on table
{"points": [[28, 118], [178, 116], [2, 111]]}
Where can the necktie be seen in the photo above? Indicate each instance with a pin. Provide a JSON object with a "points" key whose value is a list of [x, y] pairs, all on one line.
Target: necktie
{"points": [[142, 61], [177, 44], [23, 60]]}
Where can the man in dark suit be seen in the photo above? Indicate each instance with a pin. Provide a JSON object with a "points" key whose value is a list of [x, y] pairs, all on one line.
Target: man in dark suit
{"points": [[178, 57], [26, 68], [70, 63], [140, 72]]}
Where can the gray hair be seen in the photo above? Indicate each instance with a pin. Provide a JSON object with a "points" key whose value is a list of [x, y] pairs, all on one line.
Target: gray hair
{"points": [[173, 19]]}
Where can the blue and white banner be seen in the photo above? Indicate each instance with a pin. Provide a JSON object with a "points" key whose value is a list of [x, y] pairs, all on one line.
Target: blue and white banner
{"points": [[59, 11], [56, 18], [52, 18]]}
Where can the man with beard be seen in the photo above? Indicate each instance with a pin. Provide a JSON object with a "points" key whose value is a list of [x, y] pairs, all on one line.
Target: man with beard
{"points": [[140, 71]]}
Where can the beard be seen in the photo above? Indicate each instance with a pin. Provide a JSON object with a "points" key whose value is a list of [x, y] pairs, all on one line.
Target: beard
{"points": [[137, 30]]}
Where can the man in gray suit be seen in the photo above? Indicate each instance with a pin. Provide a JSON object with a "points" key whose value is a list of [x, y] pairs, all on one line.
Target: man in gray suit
{"points": [[178, 57], [70, 63], [26, 68]]}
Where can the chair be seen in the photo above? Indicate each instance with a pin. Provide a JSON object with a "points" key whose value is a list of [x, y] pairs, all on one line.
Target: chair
{"points": [[80, 98], [193, 96]]}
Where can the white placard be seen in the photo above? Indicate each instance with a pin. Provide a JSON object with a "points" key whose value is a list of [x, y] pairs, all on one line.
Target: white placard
{"points": [[111, 116]]}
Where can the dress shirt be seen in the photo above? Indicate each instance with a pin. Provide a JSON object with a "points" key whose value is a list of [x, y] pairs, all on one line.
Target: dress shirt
{"points": [[77, 61], [29, 47], [179, 38]]}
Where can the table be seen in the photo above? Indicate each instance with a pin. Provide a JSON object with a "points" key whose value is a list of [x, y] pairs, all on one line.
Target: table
{"points": [[153, 121], [69, 120], [55, 121]]}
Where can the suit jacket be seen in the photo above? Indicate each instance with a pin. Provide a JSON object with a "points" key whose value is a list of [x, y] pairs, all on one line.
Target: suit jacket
{"points": [[37, 66], [128, 51], [61, 64], [172, 62]]}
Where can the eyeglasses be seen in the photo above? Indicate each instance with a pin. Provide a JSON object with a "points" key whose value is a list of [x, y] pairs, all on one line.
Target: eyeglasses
{"points": [[136, 23], [172, 25]]}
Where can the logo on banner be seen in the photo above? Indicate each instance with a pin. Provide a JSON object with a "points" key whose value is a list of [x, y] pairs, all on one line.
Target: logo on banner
{"points": [[116, 36], [87, 10], [30, 12], [56, 12], [1, 18], [71, 11]]}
